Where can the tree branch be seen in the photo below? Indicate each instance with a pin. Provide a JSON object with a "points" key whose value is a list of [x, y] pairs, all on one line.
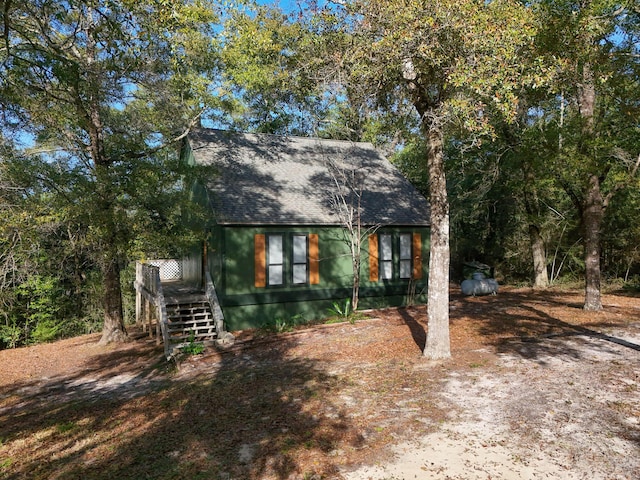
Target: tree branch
{"points": [[633, 170], [5, 33]]}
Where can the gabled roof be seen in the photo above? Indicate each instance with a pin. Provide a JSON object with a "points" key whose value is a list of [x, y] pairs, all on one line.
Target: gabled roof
{"points": [[274, 180]]}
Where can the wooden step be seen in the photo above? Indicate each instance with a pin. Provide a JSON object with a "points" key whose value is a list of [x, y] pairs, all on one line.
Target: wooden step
{"points": [[172, 309], [190, 321], [198, 316]]}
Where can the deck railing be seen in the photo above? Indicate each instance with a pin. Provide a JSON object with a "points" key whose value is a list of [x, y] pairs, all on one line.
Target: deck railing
{"points": [[224, 337], [151, 307]]}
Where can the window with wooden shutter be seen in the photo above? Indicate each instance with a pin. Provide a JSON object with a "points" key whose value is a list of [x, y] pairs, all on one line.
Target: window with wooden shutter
{"points": [[286, 259], [373, 257], [314, 259], [395, 256], [260, 260]]}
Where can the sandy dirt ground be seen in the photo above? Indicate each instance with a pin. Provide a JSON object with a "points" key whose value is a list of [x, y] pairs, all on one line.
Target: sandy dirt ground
{"points": [[536, 389], [537, 414]]}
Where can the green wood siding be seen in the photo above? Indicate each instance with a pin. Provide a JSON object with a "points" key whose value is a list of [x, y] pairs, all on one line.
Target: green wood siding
{"points": [[231, 260]]}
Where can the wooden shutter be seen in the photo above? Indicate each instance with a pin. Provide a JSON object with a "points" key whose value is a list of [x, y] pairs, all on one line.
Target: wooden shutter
{"points": [[314, 259], [373, 257], [417, 256], [260, 260]]}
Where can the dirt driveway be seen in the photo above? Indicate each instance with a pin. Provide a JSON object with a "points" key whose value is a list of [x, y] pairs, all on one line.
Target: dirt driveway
{"points": [[536, 389], [566, 407]]}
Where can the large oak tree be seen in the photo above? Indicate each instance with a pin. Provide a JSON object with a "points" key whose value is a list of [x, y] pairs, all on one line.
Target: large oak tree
{"points": [[95, 89], [456, 62]]}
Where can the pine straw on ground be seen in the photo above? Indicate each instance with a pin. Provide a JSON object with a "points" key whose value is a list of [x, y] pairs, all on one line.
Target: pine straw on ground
{"points": [[308, 404]]}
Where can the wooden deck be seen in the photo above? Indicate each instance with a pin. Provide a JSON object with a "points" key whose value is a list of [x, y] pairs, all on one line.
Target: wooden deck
{"points": [[177, 291]]}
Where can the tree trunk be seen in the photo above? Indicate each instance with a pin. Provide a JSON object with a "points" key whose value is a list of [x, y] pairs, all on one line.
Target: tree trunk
{"points": [[438, 342], [593, 206], [592, 216], [113, 329], [540, 275], [355, 293], [531, 204]]}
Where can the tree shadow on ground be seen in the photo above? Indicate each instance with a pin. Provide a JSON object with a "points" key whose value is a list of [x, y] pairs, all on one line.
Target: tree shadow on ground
{"points": [[551, 328], [418, 332], [527, 324], [119, 372], [247, 417]]}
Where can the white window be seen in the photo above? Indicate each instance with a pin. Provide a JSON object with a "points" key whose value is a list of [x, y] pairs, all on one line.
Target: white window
{"points": [[300, 259], [395, 256], [405, 255], [275, 260], [386, 256], [287, 259]]}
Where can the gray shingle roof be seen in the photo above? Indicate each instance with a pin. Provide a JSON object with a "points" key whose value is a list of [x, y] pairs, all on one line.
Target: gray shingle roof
{"points": [[275, 180]]}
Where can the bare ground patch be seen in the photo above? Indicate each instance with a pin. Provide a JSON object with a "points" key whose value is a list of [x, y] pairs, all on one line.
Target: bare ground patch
{"points": [[536, 388]]}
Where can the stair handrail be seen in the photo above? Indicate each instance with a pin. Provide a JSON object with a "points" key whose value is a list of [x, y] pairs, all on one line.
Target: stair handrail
{"points": [[163, 320], [224, 337], [148, 284]]}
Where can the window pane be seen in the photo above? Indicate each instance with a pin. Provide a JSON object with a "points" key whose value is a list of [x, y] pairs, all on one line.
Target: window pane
{"points": [[300, 249], [405, 246], [300, 273], [275, 274], [386, 270], [405, 268], [386, 252], [275, 249]]}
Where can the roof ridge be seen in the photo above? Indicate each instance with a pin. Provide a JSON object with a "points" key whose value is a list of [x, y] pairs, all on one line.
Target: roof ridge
{"points": [[276, 135]]}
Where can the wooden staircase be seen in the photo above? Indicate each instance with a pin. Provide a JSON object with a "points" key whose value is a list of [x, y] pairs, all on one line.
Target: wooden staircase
{"points": [[190, 320], [183, 313], [189, 316]]}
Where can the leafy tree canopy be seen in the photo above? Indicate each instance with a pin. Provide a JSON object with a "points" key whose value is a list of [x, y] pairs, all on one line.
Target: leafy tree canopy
{"points": [[98, 90]]}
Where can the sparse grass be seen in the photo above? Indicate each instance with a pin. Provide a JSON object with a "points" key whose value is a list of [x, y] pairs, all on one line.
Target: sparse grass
{"points": [[66, 427], [193, 347], [352, 318]]}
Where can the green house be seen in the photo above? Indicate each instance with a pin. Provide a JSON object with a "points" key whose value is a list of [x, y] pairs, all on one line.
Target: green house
{"points": [[283, 213]]}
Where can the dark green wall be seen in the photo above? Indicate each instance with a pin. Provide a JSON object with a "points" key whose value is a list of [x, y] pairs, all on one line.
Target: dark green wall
{"points": [[231, 261]]}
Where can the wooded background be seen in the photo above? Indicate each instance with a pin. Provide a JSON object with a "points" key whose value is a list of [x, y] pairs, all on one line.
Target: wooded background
{"points": [[520, 121]]}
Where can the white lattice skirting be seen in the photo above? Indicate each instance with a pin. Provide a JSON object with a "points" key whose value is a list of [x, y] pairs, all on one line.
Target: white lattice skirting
{"points": [[169, 269]]}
